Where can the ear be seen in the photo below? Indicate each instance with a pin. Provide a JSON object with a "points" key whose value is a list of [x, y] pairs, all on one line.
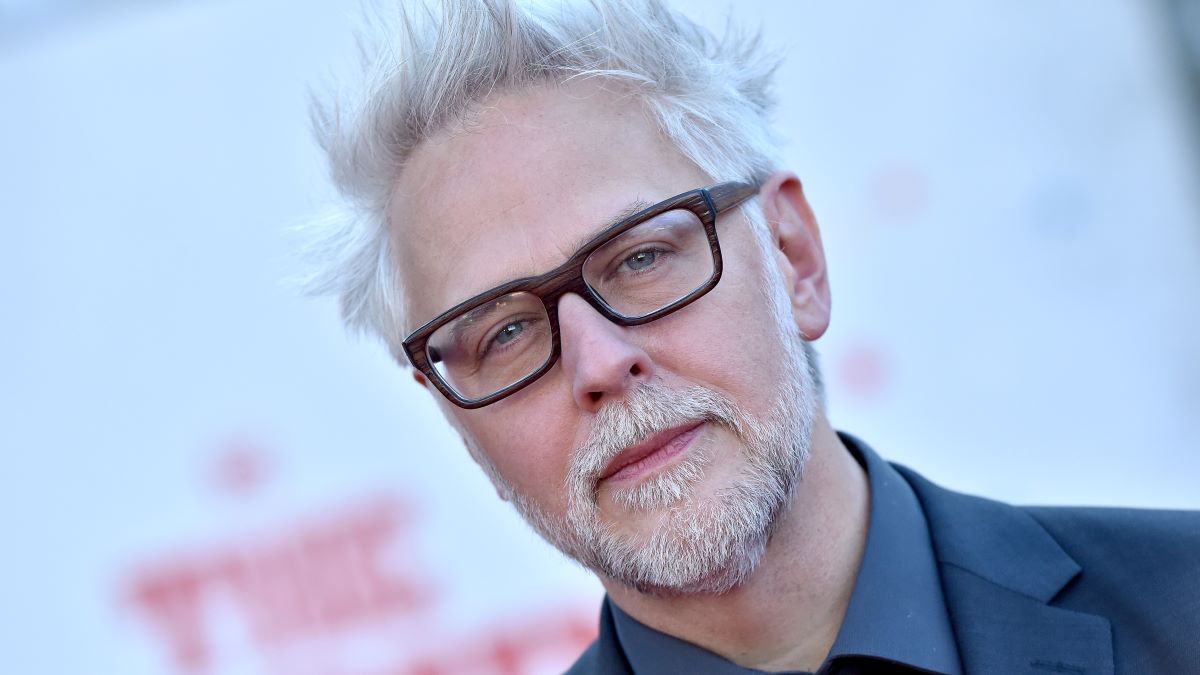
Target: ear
{"points": [[419, 377], [798, 251]]}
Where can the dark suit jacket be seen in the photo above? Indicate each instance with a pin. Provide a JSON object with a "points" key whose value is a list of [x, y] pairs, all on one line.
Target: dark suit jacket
{"points": [[1078, 591]]}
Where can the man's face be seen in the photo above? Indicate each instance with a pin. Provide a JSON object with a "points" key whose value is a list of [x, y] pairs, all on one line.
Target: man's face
{"points": [[717, 390]]}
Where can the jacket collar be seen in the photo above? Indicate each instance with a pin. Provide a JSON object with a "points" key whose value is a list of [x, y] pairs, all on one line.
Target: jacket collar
{"points": [[1000, 572]]}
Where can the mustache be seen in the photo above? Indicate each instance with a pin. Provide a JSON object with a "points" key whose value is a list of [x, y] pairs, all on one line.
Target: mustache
{"points": [[651, 408]]}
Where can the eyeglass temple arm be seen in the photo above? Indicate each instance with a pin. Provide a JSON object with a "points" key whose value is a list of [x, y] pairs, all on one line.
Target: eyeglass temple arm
{"points": [[727, 195]]}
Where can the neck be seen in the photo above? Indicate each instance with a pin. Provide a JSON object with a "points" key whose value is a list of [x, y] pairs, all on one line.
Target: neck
{"points": [[787, 614]]}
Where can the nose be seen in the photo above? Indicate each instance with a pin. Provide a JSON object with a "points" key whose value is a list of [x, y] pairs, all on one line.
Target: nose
{"points": [[599, 359]]}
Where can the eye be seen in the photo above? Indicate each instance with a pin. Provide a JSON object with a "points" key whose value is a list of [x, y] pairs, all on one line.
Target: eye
{"points": [[509, 332], [641, 260]]}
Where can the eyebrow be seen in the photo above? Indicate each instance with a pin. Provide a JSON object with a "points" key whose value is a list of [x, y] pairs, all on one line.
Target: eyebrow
{"points": [[578, 243], [628, 211], [463, 323]]}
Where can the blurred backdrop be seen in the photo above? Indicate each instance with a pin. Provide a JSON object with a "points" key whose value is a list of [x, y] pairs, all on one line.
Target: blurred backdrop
{"points": [[202, 473]]}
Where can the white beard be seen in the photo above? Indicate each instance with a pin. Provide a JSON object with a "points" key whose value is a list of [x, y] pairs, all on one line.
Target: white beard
{"points": [[704, 545]]}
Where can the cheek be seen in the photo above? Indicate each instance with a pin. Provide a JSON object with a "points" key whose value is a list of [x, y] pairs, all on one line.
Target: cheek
{"points": [[728, 339], [529, 437]]}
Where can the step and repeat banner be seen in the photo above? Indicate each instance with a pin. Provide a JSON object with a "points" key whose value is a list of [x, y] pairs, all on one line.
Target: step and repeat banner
{"points": [[202, 473]]}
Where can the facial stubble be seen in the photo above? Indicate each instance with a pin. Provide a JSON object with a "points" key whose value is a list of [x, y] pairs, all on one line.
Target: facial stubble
{"points": [[697, 544]]}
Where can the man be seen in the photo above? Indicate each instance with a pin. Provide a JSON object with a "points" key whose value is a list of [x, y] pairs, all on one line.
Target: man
{"points": [[571, 223]]}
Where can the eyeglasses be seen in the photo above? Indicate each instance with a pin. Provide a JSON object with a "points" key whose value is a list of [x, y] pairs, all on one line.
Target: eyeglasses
{"points": [[648, 265]]}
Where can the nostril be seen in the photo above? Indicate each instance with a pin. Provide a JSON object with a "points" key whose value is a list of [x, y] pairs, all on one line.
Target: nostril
{"points": [[635, 370], [595, 396]]}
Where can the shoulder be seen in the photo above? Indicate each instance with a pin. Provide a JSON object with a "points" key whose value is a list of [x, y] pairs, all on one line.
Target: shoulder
{"points": [[1121, 539], [1134, 549], [1139, 568], [1176, 532], [1137, 550], [1136, 568]]}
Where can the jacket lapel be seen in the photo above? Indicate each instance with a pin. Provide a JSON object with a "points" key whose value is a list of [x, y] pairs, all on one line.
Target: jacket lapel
{"points": [[1000, 570]]}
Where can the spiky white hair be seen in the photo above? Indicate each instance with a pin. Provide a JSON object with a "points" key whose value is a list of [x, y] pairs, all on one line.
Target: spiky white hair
{"points": [[427, 67]]}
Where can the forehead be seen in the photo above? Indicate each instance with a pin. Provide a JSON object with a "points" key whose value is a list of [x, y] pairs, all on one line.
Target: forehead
{"points": [[509, 192]]}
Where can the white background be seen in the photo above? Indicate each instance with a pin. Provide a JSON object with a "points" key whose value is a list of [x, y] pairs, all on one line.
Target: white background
{"points": [[1008, 197]]}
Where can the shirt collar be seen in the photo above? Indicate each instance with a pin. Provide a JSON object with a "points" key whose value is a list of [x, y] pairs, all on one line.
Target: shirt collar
{"points": [[896, 611]]}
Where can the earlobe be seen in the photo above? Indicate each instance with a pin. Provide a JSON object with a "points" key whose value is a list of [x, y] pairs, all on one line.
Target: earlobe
{"points": [[798, 252]]}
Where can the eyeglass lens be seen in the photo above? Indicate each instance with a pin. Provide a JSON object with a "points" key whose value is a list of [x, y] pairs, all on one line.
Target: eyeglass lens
{"points": [[644, 269]]}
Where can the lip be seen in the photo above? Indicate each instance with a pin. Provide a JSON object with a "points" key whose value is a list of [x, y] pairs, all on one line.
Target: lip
{"points": [[651, 453]]}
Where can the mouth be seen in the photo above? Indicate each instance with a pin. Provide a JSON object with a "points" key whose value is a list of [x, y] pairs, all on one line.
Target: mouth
{"points": [[638, 460]]}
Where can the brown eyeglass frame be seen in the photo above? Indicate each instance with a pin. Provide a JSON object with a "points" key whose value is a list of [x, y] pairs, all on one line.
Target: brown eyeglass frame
{"points": [[706, 203]]}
